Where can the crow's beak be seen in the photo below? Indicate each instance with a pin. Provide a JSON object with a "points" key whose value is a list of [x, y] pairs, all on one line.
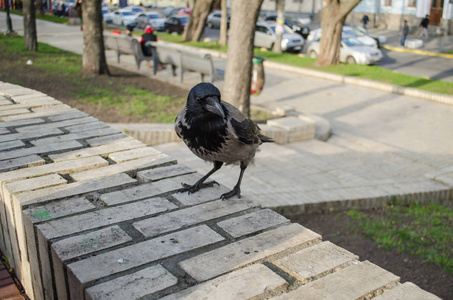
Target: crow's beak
{"points": [[212, 105]]}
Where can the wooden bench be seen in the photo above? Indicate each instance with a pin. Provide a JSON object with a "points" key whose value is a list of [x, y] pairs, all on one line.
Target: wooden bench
{"points": [[182, 59], [124, 44]]}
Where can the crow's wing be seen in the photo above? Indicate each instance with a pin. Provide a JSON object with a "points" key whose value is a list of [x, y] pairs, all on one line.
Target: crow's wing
{"points": [[245, 130]]}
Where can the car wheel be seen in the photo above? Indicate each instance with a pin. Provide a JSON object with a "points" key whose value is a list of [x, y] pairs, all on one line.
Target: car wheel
{"points": [[271, 47], [313, 54], [351, 60], [210, 25]]}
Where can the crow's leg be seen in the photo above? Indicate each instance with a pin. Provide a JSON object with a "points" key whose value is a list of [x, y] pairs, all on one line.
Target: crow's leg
{"points": [[200, 183], [237, 188]]}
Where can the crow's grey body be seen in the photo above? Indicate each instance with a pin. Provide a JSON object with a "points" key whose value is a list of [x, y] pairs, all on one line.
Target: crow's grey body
{"points": [[216, 131]]}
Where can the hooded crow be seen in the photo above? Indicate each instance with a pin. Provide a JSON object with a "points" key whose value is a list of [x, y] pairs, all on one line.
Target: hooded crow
{"points": [[217, 132]]}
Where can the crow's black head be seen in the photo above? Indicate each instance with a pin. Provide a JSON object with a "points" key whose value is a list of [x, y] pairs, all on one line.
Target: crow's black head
{"points": [[204, 101]]}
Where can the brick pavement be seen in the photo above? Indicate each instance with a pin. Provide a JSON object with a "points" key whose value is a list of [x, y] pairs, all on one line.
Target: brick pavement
{"points": [[91, 218]]}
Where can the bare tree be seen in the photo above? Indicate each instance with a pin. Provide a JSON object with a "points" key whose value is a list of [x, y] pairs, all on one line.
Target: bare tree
{"points": [[93, 59], [244, 15], [280, 4], [333, 16], [195, 27], [30, 33], [223, 23]]}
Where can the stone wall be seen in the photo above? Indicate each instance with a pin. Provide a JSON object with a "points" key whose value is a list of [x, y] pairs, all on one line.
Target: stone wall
{"points": [[88, 212]]}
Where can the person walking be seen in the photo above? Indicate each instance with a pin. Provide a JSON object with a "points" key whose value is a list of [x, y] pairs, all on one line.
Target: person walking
{"points": [[424, 27], [404, 33], [78, 9], [365, 20]]}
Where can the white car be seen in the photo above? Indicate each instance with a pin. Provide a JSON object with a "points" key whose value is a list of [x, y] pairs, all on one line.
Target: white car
{"points": [[315, 35], [265, 37], [352, 51], [107, 14], [124, 17], [153, 19]]}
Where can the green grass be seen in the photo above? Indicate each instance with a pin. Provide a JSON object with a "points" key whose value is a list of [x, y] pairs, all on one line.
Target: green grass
{"points": [[422, 230], [361, 71]]}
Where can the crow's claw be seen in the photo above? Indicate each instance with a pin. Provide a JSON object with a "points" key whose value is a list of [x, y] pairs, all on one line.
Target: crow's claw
{"points": [[234, 192], [193, 188]]}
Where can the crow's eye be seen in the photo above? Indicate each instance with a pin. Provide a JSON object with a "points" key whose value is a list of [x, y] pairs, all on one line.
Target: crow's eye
{"points": [[198, 99]]}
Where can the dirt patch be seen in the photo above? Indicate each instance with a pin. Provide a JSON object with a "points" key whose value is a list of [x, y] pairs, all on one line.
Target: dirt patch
{"points": [[337, 228]]}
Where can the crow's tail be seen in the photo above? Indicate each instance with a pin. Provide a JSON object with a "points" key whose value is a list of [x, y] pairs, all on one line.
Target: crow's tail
{"points": [[265, 139]]}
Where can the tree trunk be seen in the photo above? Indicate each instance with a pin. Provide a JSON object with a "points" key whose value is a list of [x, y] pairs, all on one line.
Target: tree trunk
{"points": [[93, 59], [240, 53], [40, 8], [279, 27], [333, 16], [195, 27], [223, 23], [9, 24], [30, 34]]}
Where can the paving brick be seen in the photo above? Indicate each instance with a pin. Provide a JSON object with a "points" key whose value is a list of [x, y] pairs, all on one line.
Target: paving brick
{"points": [[13, 112], [86, 127], [11, 145], [34, 183], [202, 195], [4, 131], [43, 149], [250, 282], [19, 98], [353, 282], [35, 98], [253, 222], [133, 286], [119, 145], [60, 167], [24, 122], [70, 114], [133, 154], [105, 140], [60, 124], [126, 258], [298, 129], [15, 163], [132, 165], [190, 216], [38, 102], [104, 217], [315, 260], [250, 250], [30, 134], [75, 136], [405, 291], [164, 172]]}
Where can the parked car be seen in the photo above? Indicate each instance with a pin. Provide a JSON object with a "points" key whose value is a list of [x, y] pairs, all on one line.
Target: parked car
{"points": [[213, 20], [153, 19], [176, 24], [185, 11], [124, 17], [315, 35], [135, 9], [171, 11], [107, 14], [380, 39], [265, 37], [352, 51]]}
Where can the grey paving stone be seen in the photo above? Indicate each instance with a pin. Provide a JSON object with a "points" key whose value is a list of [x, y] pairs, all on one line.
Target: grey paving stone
{"points": [[30, 134], [34, 183], [132, 165], [253, 222], [133, 286], [15, 163], [4, 130], [38, 102], [254, 281], [104, 140], [119, 145], [405, 291], [202, 195], [315, 260], [75, 136], [189, 216], [250, 250], [104, 217], [133, 154], [353, 282], [66, 115], [13, 112], [132, 256], [86, 127], [164, 172], [44, 149], [24, 122], [58, 124], [11, 145]]}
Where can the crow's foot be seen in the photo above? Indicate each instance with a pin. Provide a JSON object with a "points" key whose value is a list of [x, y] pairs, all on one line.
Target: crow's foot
{"points": [[236, 191], [193, 188]]}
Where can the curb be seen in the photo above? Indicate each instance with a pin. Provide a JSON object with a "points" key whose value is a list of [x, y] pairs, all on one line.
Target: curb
{"points": [[421, 52]]}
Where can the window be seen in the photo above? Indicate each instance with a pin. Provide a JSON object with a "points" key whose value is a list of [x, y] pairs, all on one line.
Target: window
{"points": [[411, 3], [387, 2]]}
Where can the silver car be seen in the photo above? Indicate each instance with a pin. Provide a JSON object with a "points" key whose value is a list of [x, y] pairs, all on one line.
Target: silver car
{"points": [[352, 51], [265, 37], [213, 20], [153, 19]]}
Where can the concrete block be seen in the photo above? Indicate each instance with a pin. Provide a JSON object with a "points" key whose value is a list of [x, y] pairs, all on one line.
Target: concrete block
{"points": [[315, 260], [16, 163], [105, 140], [11, 145], [246, 251], [407, 290], [44, 149], [164, 172], [253, 222], [12, 112], [59, 124], [132, 165], [75, 136], [104, 217], [250, 282], [72, 114], [4, 130], [104, 150], [24, 122], [61, 167], [298, 129], [43, 113], [86, 127], [413, 43], [127, 258], [133, 286], [133, 154], [30, 134], [34, 183], [279, 135], [201, 196], [79, 245], [357, 281], [189, 216]]}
